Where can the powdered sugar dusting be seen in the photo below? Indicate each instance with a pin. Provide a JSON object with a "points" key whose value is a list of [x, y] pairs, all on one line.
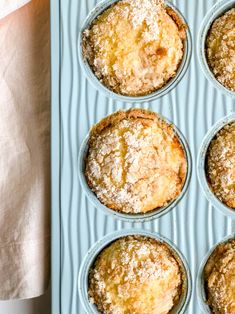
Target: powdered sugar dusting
{"points": [[135, 274], [146, 11], [136, 165], [134, 47]]}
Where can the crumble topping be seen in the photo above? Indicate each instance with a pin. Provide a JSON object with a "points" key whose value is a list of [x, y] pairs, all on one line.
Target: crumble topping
{"points": [[220, 279], [135, 274], [135, 162], [220, 165], [135, 46], [220, 48]]}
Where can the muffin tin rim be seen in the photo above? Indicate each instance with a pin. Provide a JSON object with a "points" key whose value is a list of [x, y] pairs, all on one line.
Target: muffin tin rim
{"points": [[141, 217], [201, 173], [217, 10], [200, 282], [95, 82], [98, 246]]}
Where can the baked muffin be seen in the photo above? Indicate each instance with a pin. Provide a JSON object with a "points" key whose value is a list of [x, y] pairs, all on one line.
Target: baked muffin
{"points": [[135, 46], [136, 274], [220, 165], [135, 162], [220, 279], [220, 49]]}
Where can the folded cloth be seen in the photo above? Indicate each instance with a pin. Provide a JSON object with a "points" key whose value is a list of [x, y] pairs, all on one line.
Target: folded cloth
{"points": [[24, 149], [8, 6]]}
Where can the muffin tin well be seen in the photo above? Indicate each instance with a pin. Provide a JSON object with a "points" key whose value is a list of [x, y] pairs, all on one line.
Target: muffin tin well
{"points": [[216, 11], [154, 214], [201, 171], [104, 242], [98, 9], [200, 284]]}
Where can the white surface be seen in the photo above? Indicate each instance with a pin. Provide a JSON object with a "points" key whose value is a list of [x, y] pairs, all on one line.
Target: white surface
{"points": [[40, 305]]}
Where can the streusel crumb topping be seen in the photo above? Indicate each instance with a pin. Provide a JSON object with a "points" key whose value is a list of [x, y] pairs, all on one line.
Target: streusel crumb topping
{"points": [[135, 46], [135, 274], [220, 165], [135, 162], [220, 279], [221, 49]]}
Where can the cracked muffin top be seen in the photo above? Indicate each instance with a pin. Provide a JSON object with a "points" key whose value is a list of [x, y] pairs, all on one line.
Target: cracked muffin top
{"points": [[135, 46], [136, 274], [135, 162]]}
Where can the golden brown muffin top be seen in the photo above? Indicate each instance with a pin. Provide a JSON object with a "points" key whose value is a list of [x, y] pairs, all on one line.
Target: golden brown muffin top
{"points": [[135, 274], [135, 46], [135, 162], [220, 165], [220, 279], [221, 49]]}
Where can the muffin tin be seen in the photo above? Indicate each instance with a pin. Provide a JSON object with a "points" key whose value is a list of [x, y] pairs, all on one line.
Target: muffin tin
{"points": [[194, 226]]}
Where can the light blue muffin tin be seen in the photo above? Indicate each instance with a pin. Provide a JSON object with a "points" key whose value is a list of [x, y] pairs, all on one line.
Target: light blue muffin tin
{"points": [[194, 105]]}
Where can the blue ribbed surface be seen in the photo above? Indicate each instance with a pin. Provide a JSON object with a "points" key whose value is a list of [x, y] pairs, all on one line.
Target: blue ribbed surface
{"points": [[193, 106]]}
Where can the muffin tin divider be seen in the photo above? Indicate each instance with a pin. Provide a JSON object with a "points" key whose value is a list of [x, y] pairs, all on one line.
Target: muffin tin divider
{"points": [[194, 105]]}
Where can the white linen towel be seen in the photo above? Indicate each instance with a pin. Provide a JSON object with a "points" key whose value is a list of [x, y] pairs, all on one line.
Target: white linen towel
{"points": [[24, 148]]}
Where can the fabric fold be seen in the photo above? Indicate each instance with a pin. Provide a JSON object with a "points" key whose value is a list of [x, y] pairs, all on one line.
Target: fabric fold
{"points": [[24, 149]]}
